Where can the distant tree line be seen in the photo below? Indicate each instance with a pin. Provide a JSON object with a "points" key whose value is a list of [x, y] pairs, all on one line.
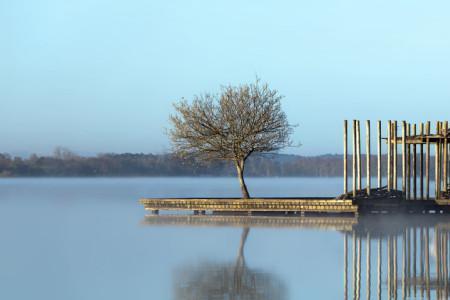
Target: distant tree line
{"points": [[67, 164]]}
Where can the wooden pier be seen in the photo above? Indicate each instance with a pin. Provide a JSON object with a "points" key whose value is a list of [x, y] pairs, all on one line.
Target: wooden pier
{"points": [[252, 205], [409, 157]]}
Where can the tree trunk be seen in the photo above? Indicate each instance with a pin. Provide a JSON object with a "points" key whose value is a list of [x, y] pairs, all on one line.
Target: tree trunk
{"points": [[240, 172]]}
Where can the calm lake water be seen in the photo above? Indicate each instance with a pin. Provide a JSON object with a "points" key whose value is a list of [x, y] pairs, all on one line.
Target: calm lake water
{"points": [[90, 239]]}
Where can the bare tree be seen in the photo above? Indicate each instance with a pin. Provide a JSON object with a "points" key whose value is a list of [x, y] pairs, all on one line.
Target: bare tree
{"points": [[241, 120]]}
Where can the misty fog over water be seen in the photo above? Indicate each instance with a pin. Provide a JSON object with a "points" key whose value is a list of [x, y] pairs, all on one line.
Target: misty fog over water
{"points": [[90, 239]]}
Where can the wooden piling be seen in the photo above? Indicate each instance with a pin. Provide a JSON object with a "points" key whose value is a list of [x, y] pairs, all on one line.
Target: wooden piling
{"points": [[404, 158], [427, 160], [421, 163], [345, 157], [354, 160], [436, 165], [358, 150], [379, 174], [445, 162], [389, 153], [414, 164], [408, 164], [395, 156], [368, 178]]}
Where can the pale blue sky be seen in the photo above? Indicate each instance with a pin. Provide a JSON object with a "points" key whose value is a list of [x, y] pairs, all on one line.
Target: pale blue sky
{"points": [[100, 76]]}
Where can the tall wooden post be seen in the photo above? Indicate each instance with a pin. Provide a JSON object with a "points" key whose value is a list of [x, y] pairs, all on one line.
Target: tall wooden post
{"points": [[445, 162], [389, 153], [395, 156], [354, 160], [345, 157], [421, 162], [414, 164], [379, 174], [427, 161], [404, 159], [408, 163], [436, 164], [358, 149], [368, 178]]}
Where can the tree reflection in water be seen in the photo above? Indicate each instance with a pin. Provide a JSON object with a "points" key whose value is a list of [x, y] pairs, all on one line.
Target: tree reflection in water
{"points": [[227, 280]]}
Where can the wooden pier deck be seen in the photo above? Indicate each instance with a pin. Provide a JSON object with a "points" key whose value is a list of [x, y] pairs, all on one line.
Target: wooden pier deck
{"points": [[285, 205], [295, 206]]}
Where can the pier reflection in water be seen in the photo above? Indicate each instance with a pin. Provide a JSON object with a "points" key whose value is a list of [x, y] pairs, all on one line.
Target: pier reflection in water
{"points": [[385, 257], [412, 258]]}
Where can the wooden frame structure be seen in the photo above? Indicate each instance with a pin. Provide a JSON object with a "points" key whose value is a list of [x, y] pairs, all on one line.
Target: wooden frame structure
{"points": [[416, 156]]}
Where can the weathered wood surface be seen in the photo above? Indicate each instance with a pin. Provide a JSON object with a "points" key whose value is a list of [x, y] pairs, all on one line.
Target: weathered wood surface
{"points": [[326, 205], [326, 223]]}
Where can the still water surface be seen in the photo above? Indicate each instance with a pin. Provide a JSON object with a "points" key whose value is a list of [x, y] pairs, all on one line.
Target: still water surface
{"points": [[90, 239]]}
